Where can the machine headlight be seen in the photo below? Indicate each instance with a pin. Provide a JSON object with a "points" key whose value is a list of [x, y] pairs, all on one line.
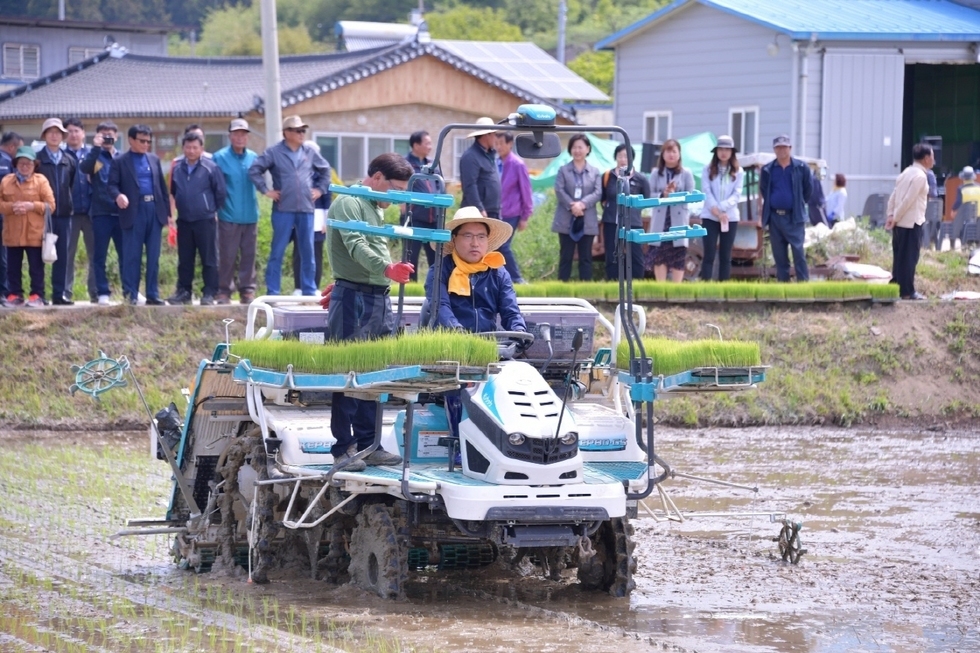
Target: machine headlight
{"points": [[569, 438], [516, 439]]}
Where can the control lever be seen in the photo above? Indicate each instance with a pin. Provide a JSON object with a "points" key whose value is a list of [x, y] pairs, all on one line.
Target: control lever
{"points": [[576, 345], [544, 332]]}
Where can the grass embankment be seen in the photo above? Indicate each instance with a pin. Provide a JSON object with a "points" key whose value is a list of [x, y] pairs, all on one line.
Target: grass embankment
{"points": [[914, 362]]}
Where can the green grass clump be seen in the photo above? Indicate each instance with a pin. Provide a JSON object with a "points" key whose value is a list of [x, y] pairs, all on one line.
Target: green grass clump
{"points": [[798, 292], [710, 291], [681, 292], [673, 356], [655, 291], [883, 292], [368, 355], [770, 292], [736, 291]]}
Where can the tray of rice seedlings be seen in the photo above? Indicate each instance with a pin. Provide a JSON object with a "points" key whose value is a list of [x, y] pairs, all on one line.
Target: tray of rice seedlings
{"points": [[699, 364], [883, 293], [683, 293], [710, 291], [798, 293], [415, 289], [587, 290], [610, 290], [827, 291], [740, 292], [770, 292], [855, 291], [650, 291], [530, 290]]}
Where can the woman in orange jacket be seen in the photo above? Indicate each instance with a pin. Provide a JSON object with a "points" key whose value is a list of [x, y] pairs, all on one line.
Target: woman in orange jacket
{"points": [[23, 198]]}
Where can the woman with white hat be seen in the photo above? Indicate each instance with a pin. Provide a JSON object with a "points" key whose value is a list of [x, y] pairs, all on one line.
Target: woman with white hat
{"points": [[476, 287], [721, 182]]}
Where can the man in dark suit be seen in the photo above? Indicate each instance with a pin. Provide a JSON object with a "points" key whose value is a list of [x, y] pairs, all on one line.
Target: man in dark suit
{"points": [[60, 169], [136, 184]]}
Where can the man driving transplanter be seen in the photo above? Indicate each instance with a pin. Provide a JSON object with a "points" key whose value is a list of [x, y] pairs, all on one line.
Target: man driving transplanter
{"points": [[475, 285]]}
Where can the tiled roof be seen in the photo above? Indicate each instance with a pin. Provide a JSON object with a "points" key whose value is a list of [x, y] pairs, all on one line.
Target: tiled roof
{"points": [[147, 86], [837, 20]]}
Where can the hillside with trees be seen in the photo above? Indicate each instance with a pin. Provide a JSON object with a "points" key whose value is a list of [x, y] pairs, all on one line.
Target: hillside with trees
{"points": [[232, 27]]}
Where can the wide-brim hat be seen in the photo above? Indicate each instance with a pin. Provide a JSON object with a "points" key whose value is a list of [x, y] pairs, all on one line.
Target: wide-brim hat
{"points": [[294, 122], [725, 141], [53, 122], [483, 132], [500, 231], [25, 152]]}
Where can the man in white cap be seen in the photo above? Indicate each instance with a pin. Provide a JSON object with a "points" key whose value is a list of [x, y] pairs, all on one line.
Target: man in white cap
{"points": [[238, 219], [60, 169], [475, 286], [969, 191], [478, 171], [299, 177]]}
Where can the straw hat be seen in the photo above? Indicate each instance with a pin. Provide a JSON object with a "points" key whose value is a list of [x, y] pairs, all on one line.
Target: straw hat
{"points": [[481, 132], [500, 231]]}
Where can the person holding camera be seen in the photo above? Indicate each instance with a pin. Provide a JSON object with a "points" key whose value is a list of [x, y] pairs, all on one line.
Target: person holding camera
{"points": [[105, 214], [638, 185]]}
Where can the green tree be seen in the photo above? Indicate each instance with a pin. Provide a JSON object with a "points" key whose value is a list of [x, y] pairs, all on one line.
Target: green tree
{"points": [[323, 15], [468, 23], [595, 67]]}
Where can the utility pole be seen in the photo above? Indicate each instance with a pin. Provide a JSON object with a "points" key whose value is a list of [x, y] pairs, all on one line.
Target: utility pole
{"points": [[562, 16], [270, 67], [61, 9]]}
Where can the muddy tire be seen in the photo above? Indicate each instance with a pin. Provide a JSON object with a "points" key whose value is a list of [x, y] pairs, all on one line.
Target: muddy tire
{"points": [[612, 567], [378, 555]]}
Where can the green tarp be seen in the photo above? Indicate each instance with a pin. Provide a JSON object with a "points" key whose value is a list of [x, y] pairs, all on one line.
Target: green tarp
{"points": [[695, 154]]}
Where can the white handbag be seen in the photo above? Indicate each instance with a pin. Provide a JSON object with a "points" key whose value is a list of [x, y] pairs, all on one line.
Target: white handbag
{"points": [[49, 253]]}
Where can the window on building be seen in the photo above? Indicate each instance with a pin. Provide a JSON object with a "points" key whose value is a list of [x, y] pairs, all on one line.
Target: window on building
{"points": [[350, 154], [21, 61], [743, 125], [78, 53], [656, 126]]}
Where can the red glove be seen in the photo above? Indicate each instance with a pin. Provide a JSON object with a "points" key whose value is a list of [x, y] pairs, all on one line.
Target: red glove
{"points": [[399, 272], [172, 236], [325, 297]]}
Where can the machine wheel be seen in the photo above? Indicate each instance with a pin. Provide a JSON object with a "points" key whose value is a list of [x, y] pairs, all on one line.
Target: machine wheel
{"points": [[790, 546], [226, 472], [379, 555], [612, 567]]}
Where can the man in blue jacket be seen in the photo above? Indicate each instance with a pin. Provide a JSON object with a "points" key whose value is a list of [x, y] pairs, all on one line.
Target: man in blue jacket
{"points": [[198, 188], [81, 221], [60, 169], [238, 219], [299, 177], [105, 214], [476, 286], [785, 185]]}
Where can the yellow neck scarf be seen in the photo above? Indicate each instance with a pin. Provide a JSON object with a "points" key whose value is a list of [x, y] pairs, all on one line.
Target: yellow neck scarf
{"points": [[459, 280]]}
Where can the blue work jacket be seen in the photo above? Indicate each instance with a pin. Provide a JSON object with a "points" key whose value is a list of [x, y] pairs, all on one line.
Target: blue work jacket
{"points": [[491, 293]]}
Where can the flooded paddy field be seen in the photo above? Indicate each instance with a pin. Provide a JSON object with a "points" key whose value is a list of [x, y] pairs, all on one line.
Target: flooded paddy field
{"points": [[891, 528]]}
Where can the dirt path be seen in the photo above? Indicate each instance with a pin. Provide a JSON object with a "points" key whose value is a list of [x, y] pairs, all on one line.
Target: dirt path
{"points": [[892, 528]]}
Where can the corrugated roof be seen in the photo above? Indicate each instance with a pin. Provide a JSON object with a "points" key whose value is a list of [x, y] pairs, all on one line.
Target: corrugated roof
{"points": [[837, 20]]}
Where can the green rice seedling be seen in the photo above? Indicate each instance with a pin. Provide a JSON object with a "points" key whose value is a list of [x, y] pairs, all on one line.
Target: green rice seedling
{"points": [[422, 348], [416, 289], [769, 292], [740, 292], [673, 356], [883, 292], [681, 292], [529, 290], [798, 292], [650, 291], [855, 290], [710, 291], [828, 291]]}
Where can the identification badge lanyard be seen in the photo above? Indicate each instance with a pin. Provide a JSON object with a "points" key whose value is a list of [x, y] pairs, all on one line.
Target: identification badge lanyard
{"points": [[579, 183]]}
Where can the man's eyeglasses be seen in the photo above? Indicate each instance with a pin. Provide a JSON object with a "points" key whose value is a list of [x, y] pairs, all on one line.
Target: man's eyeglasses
{"points": [[145, 141], [296, 131], [480, 238], [391, 185]]}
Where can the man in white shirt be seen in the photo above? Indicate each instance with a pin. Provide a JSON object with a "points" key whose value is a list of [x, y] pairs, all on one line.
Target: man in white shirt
{"points": [[906, 215]]}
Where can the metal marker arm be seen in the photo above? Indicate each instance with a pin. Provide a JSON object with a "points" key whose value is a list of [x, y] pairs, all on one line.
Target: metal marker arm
{"points": [[395, 196], [674, 199], [392, 231], [675, 233]]}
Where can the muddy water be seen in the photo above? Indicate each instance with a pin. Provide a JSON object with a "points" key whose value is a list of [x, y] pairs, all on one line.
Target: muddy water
{"points": [[891, 528]]}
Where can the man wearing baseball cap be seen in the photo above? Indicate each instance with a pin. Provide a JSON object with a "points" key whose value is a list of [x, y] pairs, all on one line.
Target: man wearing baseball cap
{"points": [[300, 176], [59, 168], [785, 185], [238, 219]]}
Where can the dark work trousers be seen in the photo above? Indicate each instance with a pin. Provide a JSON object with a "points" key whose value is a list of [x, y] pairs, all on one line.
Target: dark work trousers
{"points": [[105, 229], [35, 268], [356, 315], [905, 256], [59, 269], [785, 235], [145, 232], [414, 247], [510, 261], [3, 265], [724, 250], [197, 238], [612, 261], [81, 228], [566, 251], [235, 239], [317, 259]]}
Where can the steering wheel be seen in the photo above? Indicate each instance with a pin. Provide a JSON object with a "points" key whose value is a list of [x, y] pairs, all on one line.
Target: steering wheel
{"points": [[524, 338]]}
